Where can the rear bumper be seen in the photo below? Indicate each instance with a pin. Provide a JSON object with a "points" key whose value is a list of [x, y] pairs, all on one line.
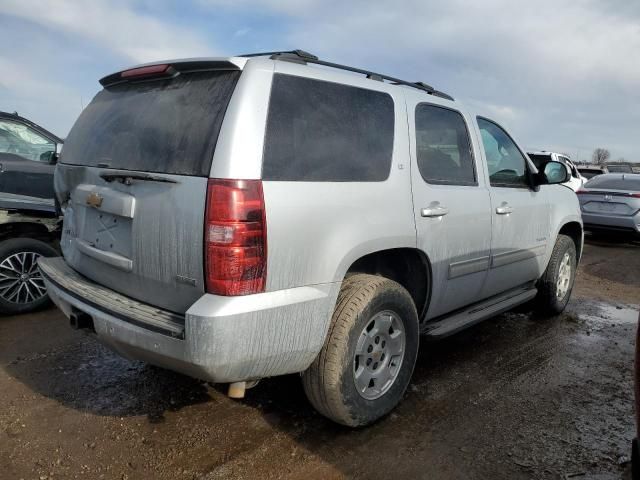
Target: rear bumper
{"points": [[628, 223], [219, 339]]}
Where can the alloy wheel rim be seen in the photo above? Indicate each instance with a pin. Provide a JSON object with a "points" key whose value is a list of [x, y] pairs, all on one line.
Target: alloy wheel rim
{"points": [[20, 280], [564, 277], [379, 355]]}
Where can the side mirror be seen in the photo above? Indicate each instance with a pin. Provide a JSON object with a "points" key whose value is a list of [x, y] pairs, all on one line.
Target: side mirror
{"points": [[49, 157], [555, 173]]}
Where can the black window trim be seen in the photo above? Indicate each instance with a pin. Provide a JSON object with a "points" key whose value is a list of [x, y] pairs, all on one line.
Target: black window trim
{"points": [[529, 173], [471, 149], [306, 77]]}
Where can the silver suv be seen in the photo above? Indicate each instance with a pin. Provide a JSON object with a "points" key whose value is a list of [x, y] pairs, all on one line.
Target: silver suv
{"points": [[245, 217]]}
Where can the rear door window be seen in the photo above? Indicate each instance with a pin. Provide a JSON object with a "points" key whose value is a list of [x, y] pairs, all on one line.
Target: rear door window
{"points": [[319, 131], [443, 146], [166, 126]]}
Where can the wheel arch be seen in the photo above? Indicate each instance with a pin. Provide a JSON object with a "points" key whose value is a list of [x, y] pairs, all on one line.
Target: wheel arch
{"points": [[27, 229], [410, 267], [574, 230]]}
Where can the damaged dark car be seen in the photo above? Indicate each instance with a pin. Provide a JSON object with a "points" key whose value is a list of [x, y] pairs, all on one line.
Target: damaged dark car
{"points": [[29, 222]]}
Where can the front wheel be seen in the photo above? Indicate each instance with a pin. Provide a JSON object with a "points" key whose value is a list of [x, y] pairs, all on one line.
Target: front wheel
{"points": [[22, 287], [555, 285], [368, 357]]}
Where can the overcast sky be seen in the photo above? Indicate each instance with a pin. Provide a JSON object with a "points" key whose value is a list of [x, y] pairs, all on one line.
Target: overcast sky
{"points": [[559, 77]]}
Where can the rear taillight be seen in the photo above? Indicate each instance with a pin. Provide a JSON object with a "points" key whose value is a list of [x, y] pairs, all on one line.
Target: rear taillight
{"points": [[582, 192], [235, 237]]}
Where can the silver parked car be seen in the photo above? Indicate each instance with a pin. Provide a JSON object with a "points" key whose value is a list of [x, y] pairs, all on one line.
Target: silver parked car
{"points": [[245, 217], [611, 203]]}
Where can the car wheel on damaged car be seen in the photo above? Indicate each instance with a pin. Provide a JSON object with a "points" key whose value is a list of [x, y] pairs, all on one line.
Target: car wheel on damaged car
{"points": [[22, 287]]}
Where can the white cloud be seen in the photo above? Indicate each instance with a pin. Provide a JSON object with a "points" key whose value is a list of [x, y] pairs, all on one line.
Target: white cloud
{"points": [[113, 25], [555, 73], [558, 72], [36, 97]]}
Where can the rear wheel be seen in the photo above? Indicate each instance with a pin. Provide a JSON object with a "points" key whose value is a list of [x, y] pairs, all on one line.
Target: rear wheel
{"points": [[554, 287], [368, 357], [22, 287]]}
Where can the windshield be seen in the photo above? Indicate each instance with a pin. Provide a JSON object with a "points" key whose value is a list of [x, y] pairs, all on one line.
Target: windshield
{"points": [[19, 139], [167, 126]]}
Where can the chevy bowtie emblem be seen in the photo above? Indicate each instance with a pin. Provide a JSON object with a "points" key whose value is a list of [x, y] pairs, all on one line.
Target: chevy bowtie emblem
{"points": [[94, 200], [607, 198]]}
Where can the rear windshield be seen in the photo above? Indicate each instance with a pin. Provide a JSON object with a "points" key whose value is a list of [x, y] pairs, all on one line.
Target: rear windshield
{"points": [[589, 173], [167, 126], [327, 132], [539, 160], [626, 182]]}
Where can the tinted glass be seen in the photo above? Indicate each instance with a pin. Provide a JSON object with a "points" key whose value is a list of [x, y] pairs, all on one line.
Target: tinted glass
{"points": [[506, 164], [21, 140], [586, 173], [620, 168], [539, 160], [630, 182], [443, 146], [321, 132], [168, 126]]}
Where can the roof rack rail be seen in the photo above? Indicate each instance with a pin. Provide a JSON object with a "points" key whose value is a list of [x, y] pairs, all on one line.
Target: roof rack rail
{"points": [[300, 56]]}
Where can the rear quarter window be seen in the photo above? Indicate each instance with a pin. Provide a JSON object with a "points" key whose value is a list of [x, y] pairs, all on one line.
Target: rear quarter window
{"points": [[320, 131]]}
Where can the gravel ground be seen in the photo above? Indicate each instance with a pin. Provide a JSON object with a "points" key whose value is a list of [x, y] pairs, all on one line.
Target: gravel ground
{"points": [[514, 397]]}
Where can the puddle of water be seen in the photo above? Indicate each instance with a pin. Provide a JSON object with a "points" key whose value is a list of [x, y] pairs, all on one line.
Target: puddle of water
{"points": [[604, 315], [612, 314]]}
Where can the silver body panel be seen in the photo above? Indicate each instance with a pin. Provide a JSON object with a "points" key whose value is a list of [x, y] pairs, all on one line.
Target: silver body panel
{"points": [[144, 239], [316, 231], [226, 339]]}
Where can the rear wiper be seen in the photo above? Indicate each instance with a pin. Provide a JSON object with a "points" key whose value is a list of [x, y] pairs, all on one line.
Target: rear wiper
{"points": [[128, 178]]}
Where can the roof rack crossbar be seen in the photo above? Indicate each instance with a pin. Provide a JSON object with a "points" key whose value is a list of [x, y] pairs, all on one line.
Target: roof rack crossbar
{"points": [[301, 55]]}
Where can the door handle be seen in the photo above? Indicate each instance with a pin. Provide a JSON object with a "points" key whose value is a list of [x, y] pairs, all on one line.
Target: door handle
{"points": [[434, 212], [504, 210]]}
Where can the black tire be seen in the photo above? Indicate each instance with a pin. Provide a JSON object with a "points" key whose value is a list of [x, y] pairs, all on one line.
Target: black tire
{"points": [[330, 382], [548, 302], [15, 246]]}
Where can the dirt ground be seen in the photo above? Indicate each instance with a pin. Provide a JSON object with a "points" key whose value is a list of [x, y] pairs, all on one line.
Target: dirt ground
{"points": [[514, 397]]}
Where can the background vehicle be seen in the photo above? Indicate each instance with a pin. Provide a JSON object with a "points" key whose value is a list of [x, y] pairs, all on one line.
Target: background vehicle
{"points": [[540, 159], [590, 171], [26, 233], [29, 226], [28, 154], [619, 168], [292, 218], [611, 203]]}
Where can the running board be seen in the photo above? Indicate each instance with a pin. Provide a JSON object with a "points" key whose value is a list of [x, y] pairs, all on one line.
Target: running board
{"points": [[478, 312]]}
